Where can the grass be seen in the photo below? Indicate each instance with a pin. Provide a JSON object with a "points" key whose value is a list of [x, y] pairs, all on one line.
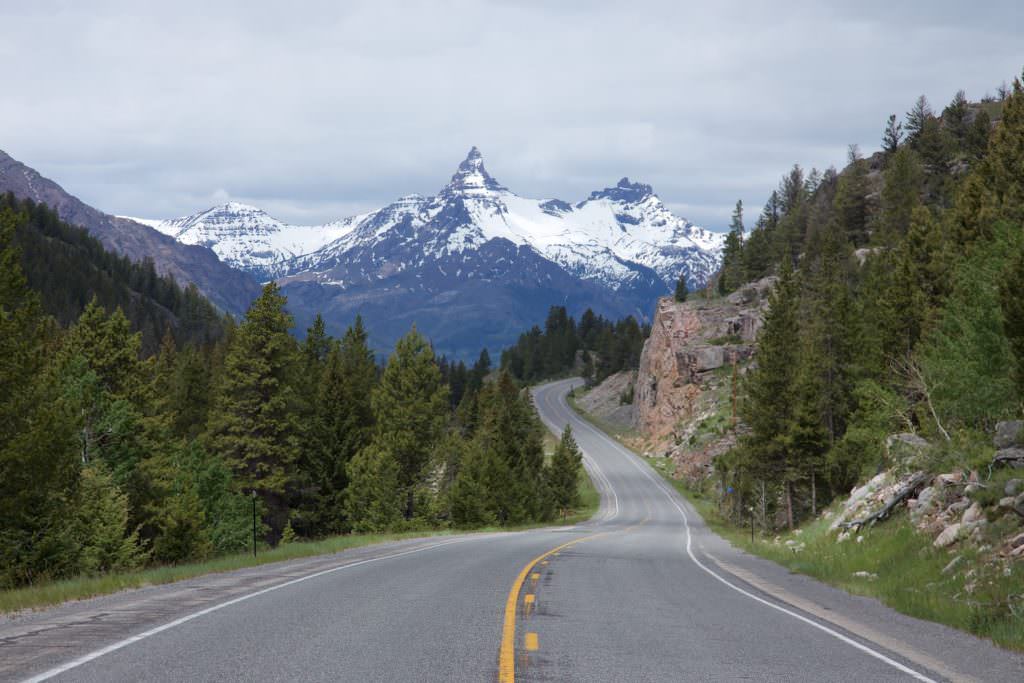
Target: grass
{"points": [[56, 592], [904, 571]]}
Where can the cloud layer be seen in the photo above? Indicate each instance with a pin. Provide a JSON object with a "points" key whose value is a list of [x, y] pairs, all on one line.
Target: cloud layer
{"points": [[316, 110]]}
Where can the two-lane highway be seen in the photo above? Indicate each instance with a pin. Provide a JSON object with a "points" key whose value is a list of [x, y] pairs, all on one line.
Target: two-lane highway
{"points": [[642, 592]]}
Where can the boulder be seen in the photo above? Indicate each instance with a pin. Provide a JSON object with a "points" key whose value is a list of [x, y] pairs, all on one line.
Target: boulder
{"points": [[1017, 541], [1009, 434], [1013, 456], [949, 479], [973, 514], [948, 536], [1006, 502], [1013, 487]]}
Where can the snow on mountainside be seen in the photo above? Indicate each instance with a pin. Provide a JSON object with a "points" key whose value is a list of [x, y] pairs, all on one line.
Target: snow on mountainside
{"points": [[248, 238], [616, 237]]}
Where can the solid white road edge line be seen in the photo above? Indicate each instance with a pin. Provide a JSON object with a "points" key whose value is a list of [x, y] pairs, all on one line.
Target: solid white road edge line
{"points": [[96, 654], [689, 551]]}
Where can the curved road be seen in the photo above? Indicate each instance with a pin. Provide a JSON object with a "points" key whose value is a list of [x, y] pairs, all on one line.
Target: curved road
{"points": [[642, 592]]}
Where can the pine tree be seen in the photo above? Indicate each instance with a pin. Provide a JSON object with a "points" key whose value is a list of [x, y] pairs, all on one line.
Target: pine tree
{"points": [[771, 392], [732, 275], [253, 422], [102, 524], [901, 193], [955, 117], [342, 426], [916, 119], [374, 499], [892, 136], [564, 472], [410, 408], [39, 468], [681, 289], [850, 203]]}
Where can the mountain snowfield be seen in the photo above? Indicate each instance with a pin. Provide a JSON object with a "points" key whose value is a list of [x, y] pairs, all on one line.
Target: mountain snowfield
{"points": [[612, 237], [472, 266]]}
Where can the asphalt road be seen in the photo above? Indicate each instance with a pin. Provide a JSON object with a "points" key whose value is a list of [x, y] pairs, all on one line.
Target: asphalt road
{"points": [[642, 592]]}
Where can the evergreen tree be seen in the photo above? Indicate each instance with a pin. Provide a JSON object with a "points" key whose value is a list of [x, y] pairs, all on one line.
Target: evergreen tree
{"points": [[900, 195], [410, 407], [892, 136], [732, 275], [375, 497], [342, 426], [564, 472], [682, 291], [771, 392], [253, 421], [850, 203], [955, 118], [917, 117], [102, 519], [39, 468]]}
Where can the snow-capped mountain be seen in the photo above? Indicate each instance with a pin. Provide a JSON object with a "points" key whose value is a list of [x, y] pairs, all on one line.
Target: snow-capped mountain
{"points": [[615, 236], [248, 238], [474, 265]]}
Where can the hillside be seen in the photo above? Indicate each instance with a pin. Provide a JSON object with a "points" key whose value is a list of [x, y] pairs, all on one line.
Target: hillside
{"points": [[231, 290], [880, 410], [69, 269]]}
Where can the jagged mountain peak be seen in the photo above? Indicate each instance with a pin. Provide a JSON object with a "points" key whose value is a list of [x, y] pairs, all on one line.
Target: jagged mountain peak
{"points": [[624, 191], [472, 178]]}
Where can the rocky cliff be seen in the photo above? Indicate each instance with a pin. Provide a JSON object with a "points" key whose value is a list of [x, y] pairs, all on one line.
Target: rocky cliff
{"points": [[683, 393]]}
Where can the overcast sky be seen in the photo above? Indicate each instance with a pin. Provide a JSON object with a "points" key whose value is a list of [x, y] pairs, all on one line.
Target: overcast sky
{"points": [[317, 110]]}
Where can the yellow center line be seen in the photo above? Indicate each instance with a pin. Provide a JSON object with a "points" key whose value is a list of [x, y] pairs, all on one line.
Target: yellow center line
{"points": [[507, 653]]}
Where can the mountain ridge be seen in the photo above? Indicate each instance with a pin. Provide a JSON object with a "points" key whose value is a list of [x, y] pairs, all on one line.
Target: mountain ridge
{"points": [[229, 289]]}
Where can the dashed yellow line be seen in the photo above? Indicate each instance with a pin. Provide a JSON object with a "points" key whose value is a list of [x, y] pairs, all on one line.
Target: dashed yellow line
{"points": [[507, 654]]}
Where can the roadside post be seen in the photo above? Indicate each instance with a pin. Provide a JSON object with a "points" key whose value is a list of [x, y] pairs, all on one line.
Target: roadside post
{"points": [[254, 522]]}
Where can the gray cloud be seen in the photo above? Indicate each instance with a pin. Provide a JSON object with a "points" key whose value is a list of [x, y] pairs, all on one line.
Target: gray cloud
{"points": [[315, 110]]}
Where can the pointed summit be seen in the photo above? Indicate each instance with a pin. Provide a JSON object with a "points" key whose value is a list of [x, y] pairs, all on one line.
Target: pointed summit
{"points": [[472, 178], [624, 191]]}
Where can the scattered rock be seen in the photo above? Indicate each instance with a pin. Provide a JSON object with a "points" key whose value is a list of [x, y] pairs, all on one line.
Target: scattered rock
{"points": [[973, 514], [1013, 487], [973, 488], [870, 576], [844, 536], [949, 479], [860, 539], [1014, 457], [953, 564], [1009, 433], [1017, 541], [1006, 502], [948, 536]]}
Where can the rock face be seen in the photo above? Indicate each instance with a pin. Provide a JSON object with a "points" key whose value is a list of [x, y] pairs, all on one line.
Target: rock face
{"points": [[688, 342], [606, 399]]}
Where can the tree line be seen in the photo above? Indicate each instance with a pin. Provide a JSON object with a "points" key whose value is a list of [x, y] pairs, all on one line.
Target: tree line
{"points": [[112, 457], [68, 267], [897, 306], [595, 347]]}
